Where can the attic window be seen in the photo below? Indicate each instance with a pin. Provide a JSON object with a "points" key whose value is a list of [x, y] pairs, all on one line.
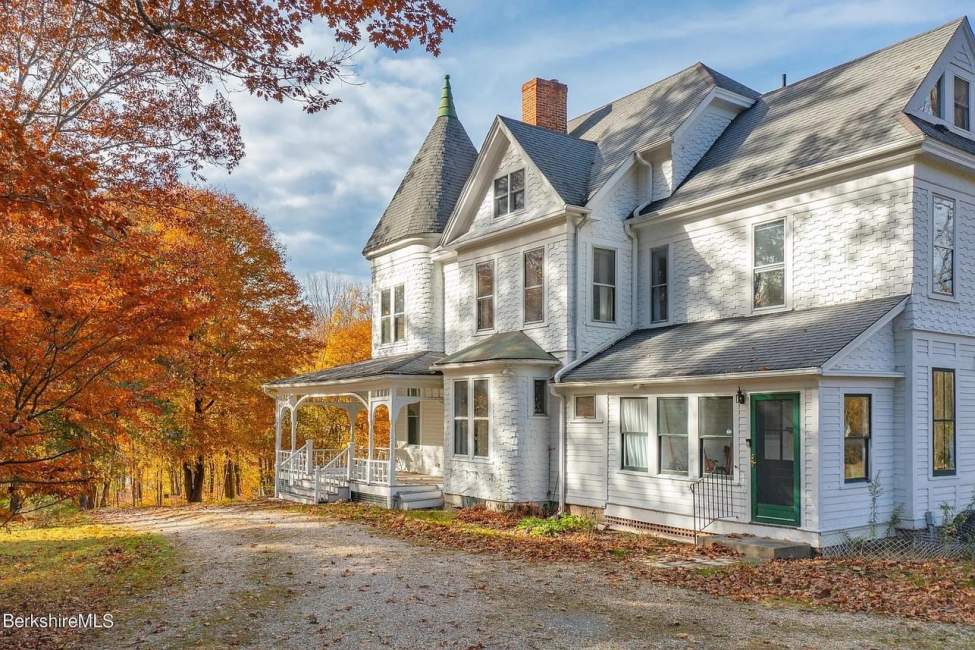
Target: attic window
{"points": [[963, 112], [934, 99], [509, 193]]}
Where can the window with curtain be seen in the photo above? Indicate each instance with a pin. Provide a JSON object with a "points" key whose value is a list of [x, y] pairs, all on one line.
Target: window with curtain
{"points": [[943, 246], [963, 111], [534, 286], [716, 425], [672, 434], [461, 417], [485, 295], [413, 424], [634, 429], [856, 438], [943, 421], [658, 284], [768, 265], [604, 285]]}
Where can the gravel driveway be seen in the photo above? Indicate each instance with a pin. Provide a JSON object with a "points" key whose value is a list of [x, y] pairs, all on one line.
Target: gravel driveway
{"points": [[259, 576]]}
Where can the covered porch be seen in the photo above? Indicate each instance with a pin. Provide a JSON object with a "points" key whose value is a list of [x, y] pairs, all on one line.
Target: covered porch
{"points": [[392, 448]]}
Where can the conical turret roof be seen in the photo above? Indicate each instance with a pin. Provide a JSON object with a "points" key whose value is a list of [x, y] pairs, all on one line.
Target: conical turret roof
{"points": [[427, 194]]}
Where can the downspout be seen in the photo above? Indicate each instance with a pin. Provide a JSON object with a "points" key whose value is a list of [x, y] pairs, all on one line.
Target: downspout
{"points": [[628, 229]]}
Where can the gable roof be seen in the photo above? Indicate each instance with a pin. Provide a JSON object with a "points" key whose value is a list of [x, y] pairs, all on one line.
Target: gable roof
{"points": [[848, 109], [646, 117], [414, 363], [791, 340], [427, 194], [564, 160], [506, 346]]}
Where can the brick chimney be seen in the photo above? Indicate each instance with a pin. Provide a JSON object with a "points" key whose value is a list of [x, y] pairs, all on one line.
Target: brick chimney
{"points": [[543, 103]]}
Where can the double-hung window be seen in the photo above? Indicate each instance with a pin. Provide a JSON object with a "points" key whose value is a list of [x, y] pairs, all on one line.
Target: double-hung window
{"points": [[768, 265], [658, 284], [604, 285], [716, 422], [672, 437], [393, 314], [963, 109], [943, 421], [534, 285], [943, 249], [485, 295], [509, 193], [634, 431], [539, 397], [856, 437], [471, 417], [413, 423]]}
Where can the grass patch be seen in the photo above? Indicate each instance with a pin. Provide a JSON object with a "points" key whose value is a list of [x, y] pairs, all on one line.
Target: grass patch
{"points": [[558, 525], [75, 567]]}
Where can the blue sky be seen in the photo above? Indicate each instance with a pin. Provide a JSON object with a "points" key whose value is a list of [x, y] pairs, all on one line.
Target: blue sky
{"points": [[322, 181]]}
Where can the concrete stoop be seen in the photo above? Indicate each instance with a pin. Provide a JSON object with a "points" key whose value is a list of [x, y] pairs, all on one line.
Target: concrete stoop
{"points": [[761, 548]]}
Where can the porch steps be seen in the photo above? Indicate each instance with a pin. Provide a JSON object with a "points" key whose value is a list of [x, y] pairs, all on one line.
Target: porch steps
{"points": [[421, 499], [761, 548], [303, 491]]}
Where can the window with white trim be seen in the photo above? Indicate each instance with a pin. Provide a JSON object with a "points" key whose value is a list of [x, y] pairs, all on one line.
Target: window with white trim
{"points": [[768, 265], [962, 103], [393, 314], [856, 438], [634, 433], [484, 282], [658, 284], [413, 423], [943, 421], [585, 407], [943, 246], [936, 98], [509, 193], [672, 438], [472, 422], [539, 397], [716, 425], [604, 285], [534, 286]]}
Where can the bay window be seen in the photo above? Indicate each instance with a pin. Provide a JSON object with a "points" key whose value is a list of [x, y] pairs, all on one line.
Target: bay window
{"points": [[768, 265], [856, 437], [634, 429], [461, 418], [472, 426], [672, 439], [393, 314], [716, 425]]}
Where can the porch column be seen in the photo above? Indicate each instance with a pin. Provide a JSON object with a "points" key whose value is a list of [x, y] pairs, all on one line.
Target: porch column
{"points": [[352, 413], [394, 407], [372, 441], [294, 427], [277, 445]]}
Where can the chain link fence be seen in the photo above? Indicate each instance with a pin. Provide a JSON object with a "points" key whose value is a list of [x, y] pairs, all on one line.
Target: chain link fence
{"points": [[952, 541]]}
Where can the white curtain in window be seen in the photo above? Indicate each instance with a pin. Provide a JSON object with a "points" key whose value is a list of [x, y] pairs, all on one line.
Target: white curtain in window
{"points": [[634, 423]]}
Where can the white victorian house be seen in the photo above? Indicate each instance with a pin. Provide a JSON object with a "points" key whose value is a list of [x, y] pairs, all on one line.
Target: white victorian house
{"points": [[697, 305]]}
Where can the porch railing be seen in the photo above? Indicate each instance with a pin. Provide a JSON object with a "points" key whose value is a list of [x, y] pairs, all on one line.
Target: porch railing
{"points": [[713, 500], [292, 465], [379, 474]]}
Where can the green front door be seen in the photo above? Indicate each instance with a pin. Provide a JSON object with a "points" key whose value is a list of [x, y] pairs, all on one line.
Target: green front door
{"points": [[775, 458]]}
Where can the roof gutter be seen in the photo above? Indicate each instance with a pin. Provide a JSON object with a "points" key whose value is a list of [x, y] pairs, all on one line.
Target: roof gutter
{"points": [[761, 374]]}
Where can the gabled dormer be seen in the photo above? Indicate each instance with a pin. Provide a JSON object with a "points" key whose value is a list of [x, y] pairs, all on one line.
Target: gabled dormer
{"points": [[946, 97]]}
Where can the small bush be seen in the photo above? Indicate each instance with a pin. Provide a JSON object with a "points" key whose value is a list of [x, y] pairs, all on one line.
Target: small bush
{"points": [[558, 525]]}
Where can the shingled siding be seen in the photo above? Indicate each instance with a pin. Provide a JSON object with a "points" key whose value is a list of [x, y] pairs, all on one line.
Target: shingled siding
{"points": [[410, 266], [693, 140], [516, 469], [850, 242]]}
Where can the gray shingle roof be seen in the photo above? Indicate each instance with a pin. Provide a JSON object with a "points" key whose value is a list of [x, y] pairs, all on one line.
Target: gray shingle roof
{"points": [[645, 117], [414, 363], [943, 134], [506, 346], [427, 194], [845, 110], [782, 341], [564, 160]]}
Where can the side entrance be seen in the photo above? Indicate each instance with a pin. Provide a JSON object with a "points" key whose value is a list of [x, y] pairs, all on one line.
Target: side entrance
{"points": [[774, 458]]}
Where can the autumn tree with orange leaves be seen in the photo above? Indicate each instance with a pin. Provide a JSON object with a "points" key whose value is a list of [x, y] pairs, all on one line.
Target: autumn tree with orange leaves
{"points": [[125, 297]]}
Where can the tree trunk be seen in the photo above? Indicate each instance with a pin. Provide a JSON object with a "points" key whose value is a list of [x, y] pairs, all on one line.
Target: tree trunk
{"points": [[213, 470], [105, 489], [228, 479], [193, 476], [237, 477]]}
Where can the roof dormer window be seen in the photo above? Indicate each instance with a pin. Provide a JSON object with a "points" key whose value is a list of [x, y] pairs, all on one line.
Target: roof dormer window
{"points": [[963, 109], [935, 97], [509, 193]]}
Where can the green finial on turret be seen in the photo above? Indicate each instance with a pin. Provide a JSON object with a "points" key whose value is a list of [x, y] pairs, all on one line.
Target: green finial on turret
{"points": [[446, 108]]}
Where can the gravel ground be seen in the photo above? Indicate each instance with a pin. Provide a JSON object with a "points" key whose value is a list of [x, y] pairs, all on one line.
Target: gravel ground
{"points": [[258, 576]]}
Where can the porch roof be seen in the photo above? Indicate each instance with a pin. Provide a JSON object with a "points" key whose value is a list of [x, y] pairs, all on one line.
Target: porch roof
{"points": [[781, 341], [400, 365], [506, 346]]}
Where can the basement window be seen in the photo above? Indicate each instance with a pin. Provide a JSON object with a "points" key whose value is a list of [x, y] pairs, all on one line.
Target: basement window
{"points": [[509, 193]]}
